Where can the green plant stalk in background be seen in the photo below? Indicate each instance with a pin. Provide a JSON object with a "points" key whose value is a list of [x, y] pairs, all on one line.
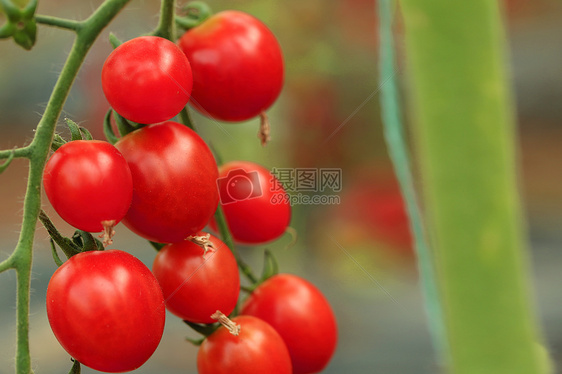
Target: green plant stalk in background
{"points": [[465, 143], [399, 154]]}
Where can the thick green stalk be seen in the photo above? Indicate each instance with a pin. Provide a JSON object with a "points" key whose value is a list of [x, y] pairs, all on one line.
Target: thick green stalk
{"points": [[166, 25], [466, 147], [37, 153]]}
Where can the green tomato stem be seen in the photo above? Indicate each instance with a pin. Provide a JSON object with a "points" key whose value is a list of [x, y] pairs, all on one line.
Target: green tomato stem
{"points": [[166, 26], [227, 239], [37, 152], [62, 23]]}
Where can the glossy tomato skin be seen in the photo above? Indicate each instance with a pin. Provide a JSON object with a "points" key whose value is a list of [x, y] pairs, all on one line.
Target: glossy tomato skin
{"points": [[253, 201], [147, 79], [237, 66], [258, 349], [196, 284], [106, 309], [299, 312], [88, 182], [174, 182]]}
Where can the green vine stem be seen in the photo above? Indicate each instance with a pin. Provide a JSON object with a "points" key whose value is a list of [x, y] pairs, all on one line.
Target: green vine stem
{"points": [[166, 26], [227, 239], [465, 143], [399, 154], [21, 258]]}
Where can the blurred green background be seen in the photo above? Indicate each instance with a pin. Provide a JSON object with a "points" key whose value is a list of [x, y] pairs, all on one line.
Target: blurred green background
{"points": [[358, 252]]}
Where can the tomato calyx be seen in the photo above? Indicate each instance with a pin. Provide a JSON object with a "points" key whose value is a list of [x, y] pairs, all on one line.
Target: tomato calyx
{"points": [[232, 327], [123, 125], [81, 241], [204, 241], [76, 133], [264, 133]]}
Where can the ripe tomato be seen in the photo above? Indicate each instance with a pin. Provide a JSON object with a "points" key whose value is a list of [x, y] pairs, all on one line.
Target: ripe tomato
{"points": [[253, 202], [195, 284], [147, 79], [237, 66], [299, 312], [88, 182], [258, 349], [106, 309], [174, 179]]}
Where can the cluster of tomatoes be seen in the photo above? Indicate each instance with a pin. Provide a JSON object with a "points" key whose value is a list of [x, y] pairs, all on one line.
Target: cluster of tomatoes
{"points": [[106, 308]]}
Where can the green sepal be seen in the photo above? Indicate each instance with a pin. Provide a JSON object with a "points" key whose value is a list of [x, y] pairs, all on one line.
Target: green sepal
{"points": [[108, 129], [56, 257], [114, 40], [86, 241], [270, 266], [156, 245], [203, 329], [66, 245], [86, 135], [196, 12], [123, 125], [21, 25], [75, 133], [195, 342], [75, 367], [58, 142]]}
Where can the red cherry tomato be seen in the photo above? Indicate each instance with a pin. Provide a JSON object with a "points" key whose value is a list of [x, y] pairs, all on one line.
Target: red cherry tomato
{"points": [[299, 312], [147, 79], [237, 66], [174, 179], [195, 284], [106, 309], [88, 182], [253, 201], [258, 349]]}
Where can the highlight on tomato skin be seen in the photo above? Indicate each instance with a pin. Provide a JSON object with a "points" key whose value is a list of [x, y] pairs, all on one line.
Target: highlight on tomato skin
{"points": [[174, 177], [258, 349], [147, 79], [251, 199], [303, 317], [237, 64], [196, 281], [106, 309], [88, 182]]}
